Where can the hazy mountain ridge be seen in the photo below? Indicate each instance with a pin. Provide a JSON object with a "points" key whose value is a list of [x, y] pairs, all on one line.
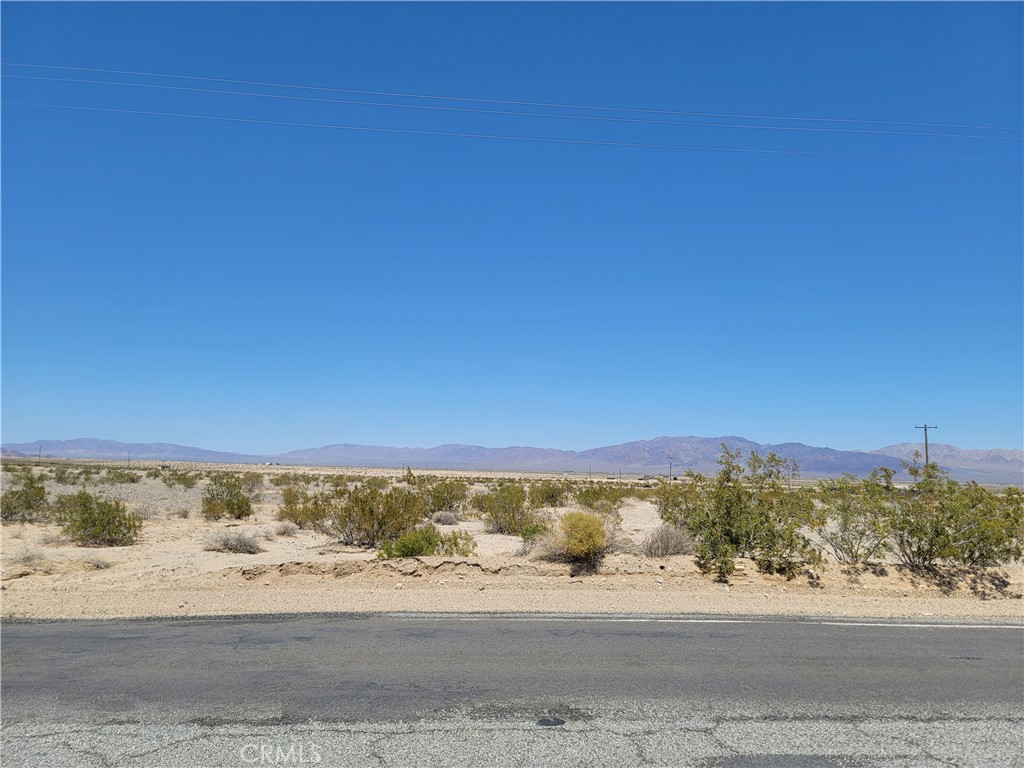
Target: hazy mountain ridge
{"points": [[114, 450], [644, 456]]}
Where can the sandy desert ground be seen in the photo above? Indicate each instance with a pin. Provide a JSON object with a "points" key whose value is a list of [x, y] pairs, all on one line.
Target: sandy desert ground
{"points": [[168, 573]]}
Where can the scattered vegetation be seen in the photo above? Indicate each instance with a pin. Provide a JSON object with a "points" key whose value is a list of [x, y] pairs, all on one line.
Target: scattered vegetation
{"points": [[292, 479], [286, 528], [666, 540], [549, 493], [232, 541], [27, 501], [182, 477], [445, 518], [756, 516], [939, 519], [446, 495], [225, 497], [426, 541], [121, 477], [579, 538], [593, 494], [367, 517], [505, 509], [305, 509], [94, 522]]}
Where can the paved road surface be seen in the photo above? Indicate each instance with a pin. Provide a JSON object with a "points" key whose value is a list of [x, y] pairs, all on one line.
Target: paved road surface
{"points": [[408, 690]]}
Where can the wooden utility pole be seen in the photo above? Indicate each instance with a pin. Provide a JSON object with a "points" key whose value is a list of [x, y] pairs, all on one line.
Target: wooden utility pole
{"points": [[926, 427], [670, 458]]}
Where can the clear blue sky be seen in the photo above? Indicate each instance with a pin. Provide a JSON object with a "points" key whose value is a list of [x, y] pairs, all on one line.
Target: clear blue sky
{"points": [[263, 287]]}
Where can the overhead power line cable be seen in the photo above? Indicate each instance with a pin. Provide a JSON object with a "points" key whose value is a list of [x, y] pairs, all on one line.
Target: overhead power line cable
{"points": [[513, 102], [514, 113], [454, 134]]}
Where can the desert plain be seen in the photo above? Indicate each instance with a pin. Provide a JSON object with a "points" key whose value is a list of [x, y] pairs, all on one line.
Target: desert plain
{"points": [[169, 572]]}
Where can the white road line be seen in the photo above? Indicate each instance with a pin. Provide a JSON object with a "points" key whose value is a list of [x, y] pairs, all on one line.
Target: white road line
{"points": [[702, 620]]}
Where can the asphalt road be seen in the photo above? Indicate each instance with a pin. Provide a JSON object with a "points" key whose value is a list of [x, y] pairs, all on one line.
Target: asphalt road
{"points": [[412, 690]]}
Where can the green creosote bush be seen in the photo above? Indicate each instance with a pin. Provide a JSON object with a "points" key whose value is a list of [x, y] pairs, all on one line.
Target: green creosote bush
{"points": [[505, 509], [224, 497], [94, 522], [25, 503], [374, 483], [427, 541], [252, 486], [181, 477], [591, 494], [121, 477], [549, 493], [667, 540], [939, 519], [853, 516], [447, 495], [367, 516], [756, 516], [305, 509], [292, 478], [232, 541]]}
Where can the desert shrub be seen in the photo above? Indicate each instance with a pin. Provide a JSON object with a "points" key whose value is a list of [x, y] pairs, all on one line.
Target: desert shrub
{"points": [[95, 522], [549, 493], [181, 477], [121, 477], [852, 519], [583, 536], [367, 517], [669, 498], [987, 528], [51, 539], [445, 517], [292, 478], [375, 483], [30, 557], [232, 541], [666, 540], [252, 486], [591, 494], [426, 541], [941, 519], [505, 510], [224, 497], [579, 538], [305, 509], [26, 502], [757, 516], [448, 495], [286, 528], [153, 473], [338, 482]]}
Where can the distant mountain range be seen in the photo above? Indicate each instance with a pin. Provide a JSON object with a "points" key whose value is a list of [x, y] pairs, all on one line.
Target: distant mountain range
{"points": [[645, 457]]}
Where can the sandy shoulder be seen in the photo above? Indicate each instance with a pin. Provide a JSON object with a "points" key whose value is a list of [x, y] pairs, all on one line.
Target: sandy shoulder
{"points": [[169, 573]]}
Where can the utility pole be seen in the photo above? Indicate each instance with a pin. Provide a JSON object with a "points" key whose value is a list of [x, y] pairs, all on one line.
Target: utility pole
{"points": [[670, 458], [926, 427]]}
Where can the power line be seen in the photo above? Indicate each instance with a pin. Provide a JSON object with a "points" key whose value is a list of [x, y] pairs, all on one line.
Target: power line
{"points": [[536, 139], [512, 102], [599, 118]]}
